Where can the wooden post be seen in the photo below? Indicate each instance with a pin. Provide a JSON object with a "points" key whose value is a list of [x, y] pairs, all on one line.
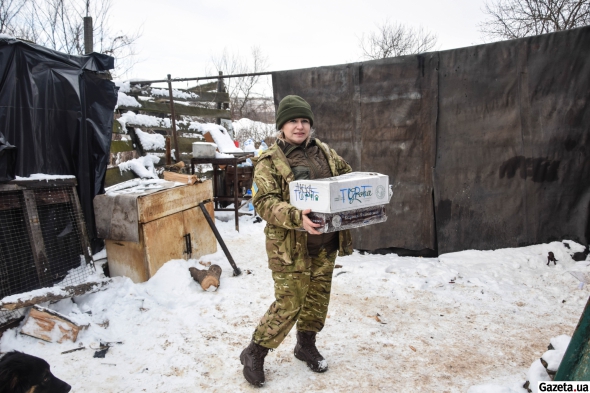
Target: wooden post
{"points": [[168, 158], [173, 118], [81, 224], [219, 89], [36, 237]]}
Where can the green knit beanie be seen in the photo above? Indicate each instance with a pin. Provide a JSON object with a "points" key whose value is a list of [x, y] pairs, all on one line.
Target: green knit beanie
{"points": [[293, 107]]}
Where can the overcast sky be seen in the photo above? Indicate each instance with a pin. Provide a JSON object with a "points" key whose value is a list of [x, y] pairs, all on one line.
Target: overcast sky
{"points": [[180, 36]]}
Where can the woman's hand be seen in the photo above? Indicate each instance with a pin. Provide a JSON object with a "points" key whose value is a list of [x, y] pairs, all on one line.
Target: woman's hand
{"points": [[308, 225]]}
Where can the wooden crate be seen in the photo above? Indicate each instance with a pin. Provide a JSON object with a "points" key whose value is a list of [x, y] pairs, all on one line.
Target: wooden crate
{"points": [[164, 219]]}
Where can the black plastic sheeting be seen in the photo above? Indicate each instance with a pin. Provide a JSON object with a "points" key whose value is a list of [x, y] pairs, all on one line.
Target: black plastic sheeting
{"points": [[58, 110], [7, 160], [486, 146]]}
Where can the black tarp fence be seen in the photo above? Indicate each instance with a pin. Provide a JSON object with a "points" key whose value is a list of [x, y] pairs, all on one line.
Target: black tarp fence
{"points": [[58, 111], [486, 146]]}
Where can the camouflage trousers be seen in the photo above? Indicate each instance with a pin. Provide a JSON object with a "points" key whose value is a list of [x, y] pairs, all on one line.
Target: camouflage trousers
{"points": [[302, 298]]}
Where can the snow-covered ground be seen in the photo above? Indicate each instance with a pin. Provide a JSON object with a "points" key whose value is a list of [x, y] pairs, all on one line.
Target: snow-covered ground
{"points": [[467, 321]]}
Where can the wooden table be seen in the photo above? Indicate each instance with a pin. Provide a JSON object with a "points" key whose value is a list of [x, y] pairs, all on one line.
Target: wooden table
{"points": [[235, 198]]}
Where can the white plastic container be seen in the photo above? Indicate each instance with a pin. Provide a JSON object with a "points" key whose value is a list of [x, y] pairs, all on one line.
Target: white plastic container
{"points": [[340, 193], [204, 149]]}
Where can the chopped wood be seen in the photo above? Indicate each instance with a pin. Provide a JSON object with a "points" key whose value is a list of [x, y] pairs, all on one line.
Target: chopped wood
{"points": [[180, 177], [67, 292], [209, 279], [49, 325]]}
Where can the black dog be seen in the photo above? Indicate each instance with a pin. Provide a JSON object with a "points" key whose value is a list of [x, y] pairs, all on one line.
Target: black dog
{"points": [[22, 373]]}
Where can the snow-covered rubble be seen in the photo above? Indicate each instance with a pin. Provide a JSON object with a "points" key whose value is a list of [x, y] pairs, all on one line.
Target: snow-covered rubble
{"points": [[467, 321]]}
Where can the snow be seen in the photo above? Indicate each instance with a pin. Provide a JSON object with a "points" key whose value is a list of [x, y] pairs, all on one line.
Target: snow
{"points": [[175, 93], [138, 186], [43, 176], [125, 100], [222, 139], [151, 141], [124, 86], [143, 166], [471, 321]]}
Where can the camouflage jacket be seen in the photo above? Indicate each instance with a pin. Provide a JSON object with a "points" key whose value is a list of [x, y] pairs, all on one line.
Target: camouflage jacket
{"points": [[286, 247]]}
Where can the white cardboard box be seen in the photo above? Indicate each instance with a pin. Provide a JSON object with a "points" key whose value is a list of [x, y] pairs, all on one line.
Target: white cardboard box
{"points": [[340, 193]]}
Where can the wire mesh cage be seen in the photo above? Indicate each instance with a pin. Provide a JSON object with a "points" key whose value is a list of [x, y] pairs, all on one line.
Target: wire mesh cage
{"points": [[42, 240]]}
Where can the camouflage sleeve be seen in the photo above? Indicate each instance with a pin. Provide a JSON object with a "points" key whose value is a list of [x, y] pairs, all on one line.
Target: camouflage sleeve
{"points": [[268, 200], [341, 165]]}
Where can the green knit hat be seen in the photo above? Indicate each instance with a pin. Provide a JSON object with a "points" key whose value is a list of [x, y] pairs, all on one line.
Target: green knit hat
{"points": [[293, 107]]}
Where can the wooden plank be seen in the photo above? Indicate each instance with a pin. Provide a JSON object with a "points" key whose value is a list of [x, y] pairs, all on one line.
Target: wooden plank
{"points": [[49, 325], [50, 196], [204, 87], [121, 146], [160, 204], [127, 259], [203, 239], [65, 293], [81, 224], [180, 177], [202, 96], [117, 128], [34, 183], [114, 176], [9, 201], [36, 239], [156, 107], [163, 241], [185, 145]]}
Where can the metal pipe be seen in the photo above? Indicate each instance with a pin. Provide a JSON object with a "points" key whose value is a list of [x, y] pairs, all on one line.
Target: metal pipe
{"points": [[237, 271]]}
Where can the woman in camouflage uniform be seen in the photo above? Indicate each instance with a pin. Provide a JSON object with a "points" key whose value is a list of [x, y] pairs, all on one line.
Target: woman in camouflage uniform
{"points": [[301, 258]]}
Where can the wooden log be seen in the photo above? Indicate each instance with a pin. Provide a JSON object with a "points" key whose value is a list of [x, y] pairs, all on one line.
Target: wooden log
{"points": [[209, 279], [67, 292], [49, 325]]}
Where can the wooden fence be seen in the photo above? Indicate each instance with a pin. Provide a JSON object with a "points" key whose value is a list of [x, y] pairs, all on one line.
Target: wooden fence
{"points": [[204, 102]]}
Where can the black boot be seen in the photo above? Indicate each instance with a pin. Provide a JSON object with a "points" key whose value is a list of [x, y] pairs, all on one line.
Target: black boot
{"points": [[252, 357], [306, 351]]}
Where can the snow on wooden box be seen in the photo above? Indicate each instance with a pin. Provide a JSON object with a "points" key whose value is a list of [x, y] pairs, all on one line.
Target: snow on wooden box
{"points": [[340, 193]]}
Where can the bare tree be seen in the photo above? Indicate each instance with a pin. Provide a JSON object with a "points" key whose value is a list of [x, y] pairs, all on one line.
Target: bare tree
{"points": [[395, 39], [59, 25], [9, 10], [510, 19], [244, 91]]}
